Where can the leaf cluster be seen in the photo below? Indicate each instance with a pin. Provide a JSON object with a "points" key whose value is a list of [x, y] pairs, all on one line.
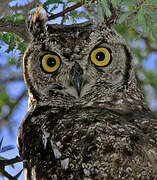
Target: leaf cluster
{"points": [[142, 16]]}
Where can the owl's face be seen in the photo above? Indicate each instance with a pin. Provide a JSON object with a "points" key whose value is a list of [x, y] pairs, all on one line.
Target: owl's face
{"points": [[76, 65]]}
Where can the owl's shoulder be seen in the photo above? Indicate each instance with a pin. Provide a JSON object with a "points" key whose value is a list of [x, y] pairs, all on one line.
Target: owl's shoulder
{"points": [[92, 139]]}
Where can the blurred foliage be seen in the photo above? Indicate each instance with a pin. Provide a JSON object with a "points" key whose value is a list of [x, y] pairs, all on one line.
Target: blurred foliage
{"points": [[15, 17]]}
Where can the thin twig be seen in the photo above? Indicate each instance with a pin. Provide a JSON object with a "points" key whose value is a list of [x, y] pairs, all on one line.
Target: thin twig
{"points": [[4, 163], [63, 17], [75, 6], [18, 174], [10, 161], [7, 175]]}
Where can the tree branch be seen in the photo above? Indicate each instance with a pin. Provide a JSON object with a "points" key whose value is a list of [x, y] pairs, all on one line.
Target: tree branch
{"points": [[17, 28], [75, 6], [4, 163], [5, 174], [63, 17], [10, 161]]}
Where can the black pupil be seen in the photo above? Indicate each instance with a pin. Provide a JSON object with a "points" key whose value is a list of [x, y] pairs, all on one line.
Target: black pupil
{"points": [[51, 62], [100, 56]]}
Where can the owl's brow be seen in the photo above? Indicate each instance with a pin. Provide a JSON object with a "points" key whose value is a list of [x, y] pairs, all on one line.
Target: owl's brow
{"points": [[99, 43]]}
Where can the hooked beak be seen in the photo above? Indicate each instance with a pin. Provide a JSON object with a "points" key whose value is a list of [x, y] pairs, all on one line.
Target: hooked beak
{"points": [[78, 83], [77, 79]]}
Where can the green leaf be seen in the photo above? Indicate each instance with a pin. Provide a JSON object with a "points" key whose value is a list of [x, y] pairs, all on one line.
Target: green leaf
{"points": [[16, 17], [125, 15], [127, 3], [100, 11], [133, 23], [9, 39], [105, 5], [49, 2], [4, 97], [2, 158], [114, 1], [154, 36], [151, 14], [142, 20], [73, 1]]}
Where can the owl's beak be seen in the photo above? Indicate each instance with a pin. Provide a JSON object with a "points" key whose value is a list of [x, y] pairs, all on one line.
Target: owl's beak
{"points": [[77, 79], [78, 83]]}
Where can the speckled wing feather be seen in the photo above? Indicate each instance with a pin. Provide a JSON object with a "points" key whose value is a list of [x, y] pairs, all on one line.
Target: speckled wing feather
{"points": [[88, 143]]}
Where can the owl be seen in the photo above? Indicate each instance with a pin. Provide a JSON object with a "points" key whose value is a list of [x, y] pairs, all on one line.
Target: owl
{"points": [[87, 119]]}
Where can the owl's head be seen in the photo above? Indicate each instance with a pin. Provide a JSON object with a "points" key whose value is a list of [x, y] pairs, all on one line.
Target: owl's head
{"points": [[76, 63]]}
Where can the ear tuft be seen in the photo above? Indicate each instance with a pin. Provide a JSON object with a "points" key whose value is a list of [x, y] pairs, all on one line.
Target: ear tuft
{"points": [[38, 15], [36, 24]]}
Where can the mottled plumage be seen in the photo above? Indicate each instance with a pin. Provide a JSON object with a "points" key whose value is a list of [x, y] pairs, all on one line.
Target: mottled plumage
{"points": [[85, 121]]}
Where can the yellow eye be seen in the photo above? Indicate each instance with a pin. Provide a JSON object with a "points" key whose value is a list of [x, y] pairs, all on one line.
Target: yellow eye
{"points": [[101, 57], [50, 62]]}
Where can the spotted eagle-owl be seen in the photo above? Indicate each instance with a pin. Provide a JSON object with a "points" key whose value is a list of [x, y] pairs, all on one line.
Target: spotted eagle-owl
{"points": [[87, 119]]}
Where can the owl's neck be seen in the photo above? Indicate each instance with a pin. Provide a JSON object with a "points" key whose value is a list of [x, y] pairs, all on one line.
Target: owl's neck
{"points": [[122, 101]]}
